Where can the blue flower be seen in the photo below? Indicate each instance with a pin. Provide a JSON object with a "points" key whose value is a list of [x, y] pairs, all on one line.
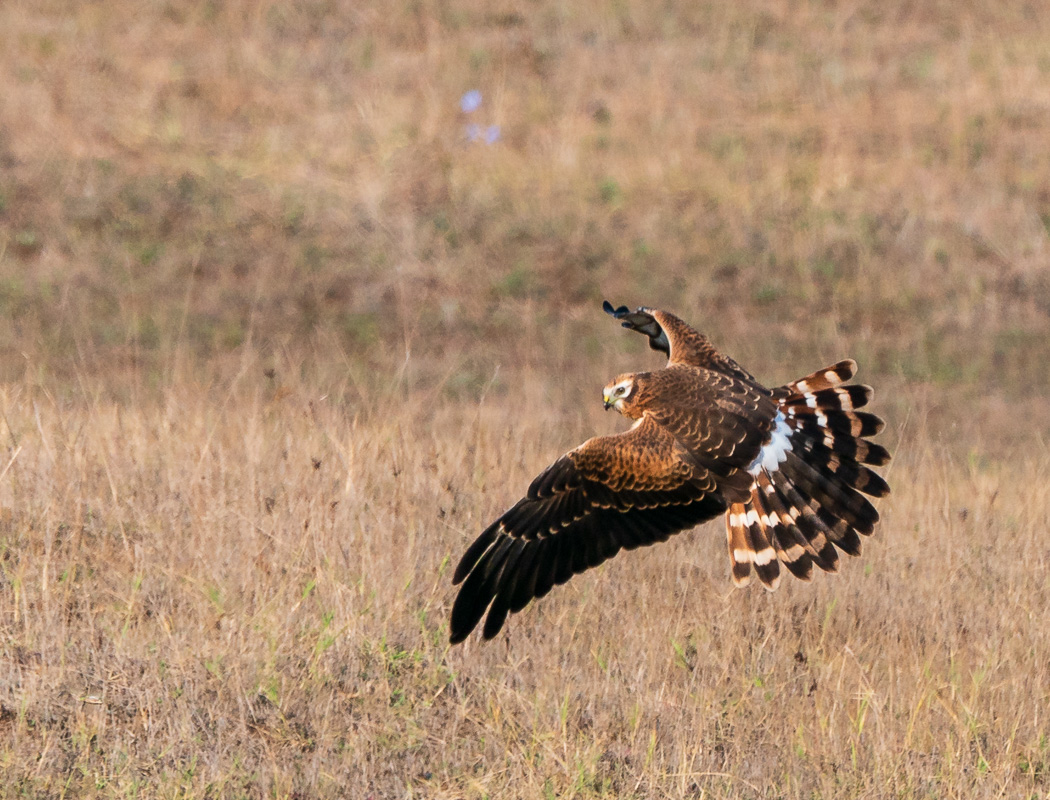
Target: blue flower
{"points": [[471, 101], [492, 134]]}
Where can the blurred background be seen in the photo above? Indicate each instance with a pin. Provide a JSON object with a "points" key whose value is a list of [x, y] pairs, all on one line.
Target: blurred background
{"points": [[296, 297], [444, 191]]}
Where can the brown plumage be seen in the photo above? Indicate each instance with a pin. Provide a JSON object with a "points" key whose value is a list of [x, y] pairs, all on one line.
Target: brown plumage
{"points": [[786, 467]]}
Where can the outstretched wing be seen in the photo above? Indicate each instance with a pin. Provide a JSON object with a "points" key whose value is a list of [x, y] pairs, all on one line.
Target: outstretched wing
{"points": [[610, 493], [678, 340]]}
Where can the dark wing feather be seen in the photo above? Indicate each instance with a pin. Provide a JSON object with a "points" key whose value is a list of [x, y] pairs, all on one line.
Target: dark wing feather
{"points": [[613, 492]]}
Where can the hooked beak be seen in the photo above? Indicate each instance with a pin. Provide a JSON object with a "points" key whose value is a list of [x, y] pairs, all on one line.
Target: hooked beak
{"points": [[608, 401]]}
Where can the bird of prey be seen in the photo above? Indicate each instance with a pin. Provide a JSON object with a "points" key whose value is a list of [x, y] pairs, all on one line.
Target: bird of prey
{"points": [[786, 466]]}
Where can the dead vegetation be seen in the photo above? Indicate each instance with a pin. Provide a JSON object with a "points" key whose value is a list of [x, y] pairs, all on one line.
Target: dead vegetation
{"points": [[277, 337]]}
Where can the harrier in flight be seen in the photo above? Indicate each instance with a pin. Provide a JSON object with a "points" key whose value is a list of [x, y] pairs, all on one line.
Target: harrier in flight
{"points": [[786, 466]]}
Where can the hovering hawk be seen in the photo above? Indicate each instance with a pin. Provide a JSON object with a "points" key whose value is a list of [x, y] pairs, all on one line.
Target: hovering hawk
{"points": [[786, 466]]}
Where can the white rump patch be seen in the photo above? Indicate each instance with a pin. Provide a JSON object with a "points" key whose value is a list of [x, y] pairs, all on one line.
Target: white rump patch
{"points": [[773, 452]]}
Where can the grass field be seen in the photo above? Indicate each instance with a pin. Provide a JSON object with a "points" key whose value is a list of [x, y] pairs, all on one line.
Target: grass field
{"points": [[277, 338]]}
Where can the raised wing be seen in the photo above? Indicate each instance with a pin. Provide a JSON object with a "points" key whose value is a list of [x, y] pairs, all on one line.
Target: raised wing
{"points": [[610, 493], [679, 341]]}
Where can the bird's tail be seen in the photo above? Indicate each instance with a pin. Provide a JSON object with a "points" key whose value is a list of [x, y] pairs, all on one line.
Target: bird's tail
{"points": [[807, 498]]}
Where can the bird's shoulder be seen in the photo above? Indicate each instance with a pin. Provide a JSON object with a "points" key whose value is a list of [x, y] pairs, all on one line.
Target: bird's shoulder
{"points": [[698, 389], [646, 456]]}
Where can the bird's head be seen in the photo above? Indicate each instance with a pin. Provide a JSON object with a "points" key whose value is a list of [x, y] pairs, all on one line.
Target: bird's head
{"points": [[622, 393]]}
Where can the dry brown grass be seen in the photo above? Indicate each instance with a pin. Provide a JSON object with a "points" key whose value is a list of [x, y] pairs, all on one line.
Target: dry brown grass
{"points": [[276, 341], [243, 591]]}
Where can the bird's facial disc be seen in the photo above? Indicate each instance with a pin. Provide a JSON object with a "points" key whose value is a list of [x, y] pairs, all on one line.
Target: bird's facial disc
{"points": [[615, 393]]}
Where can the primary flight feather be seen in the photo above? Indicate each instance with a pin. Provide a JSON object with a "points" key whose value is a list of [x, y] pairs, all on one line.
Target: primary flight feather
{"points": [[786, 466]]}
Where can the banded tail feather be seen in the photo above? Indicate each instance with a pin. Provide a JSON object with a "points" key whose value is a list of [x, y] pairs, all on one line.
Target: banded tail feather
{"points": [[810, 480]]}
